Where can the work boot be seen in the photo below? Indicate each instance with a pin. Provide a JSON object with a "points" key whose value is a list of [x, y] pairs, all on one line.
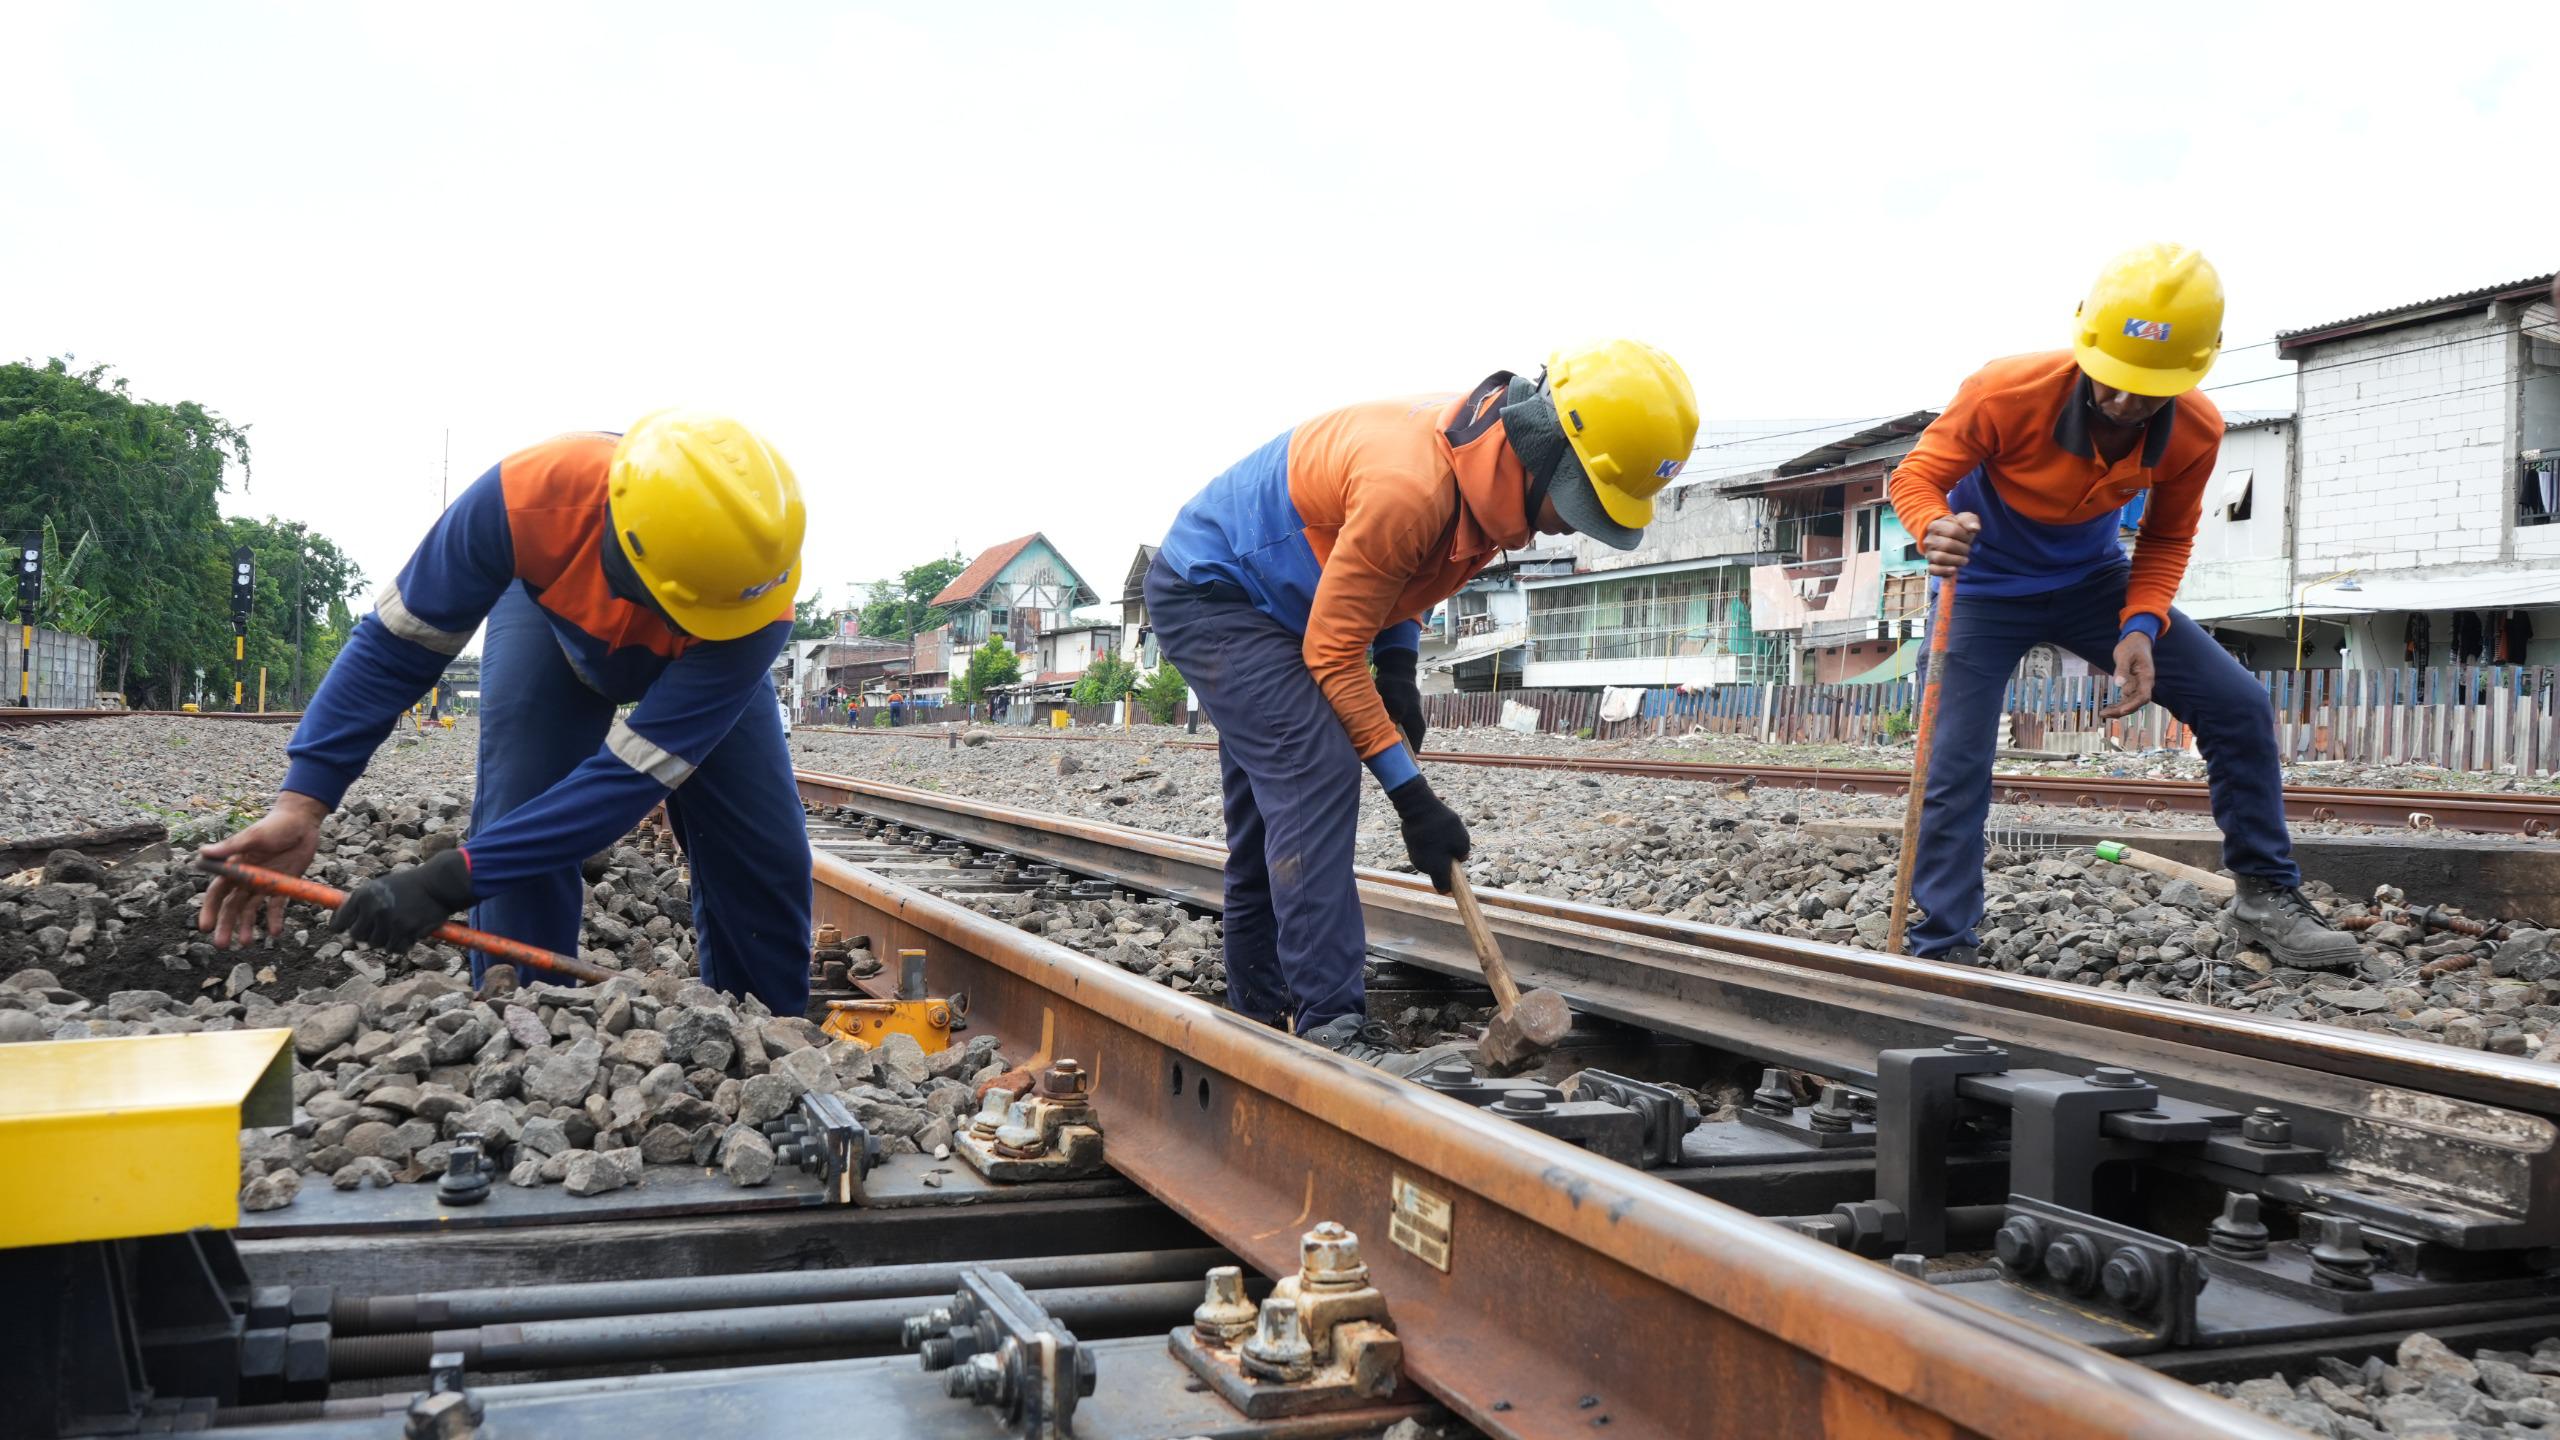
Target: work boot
{"points": [[1969, 956], [1356, 1037], [2276, 919]]}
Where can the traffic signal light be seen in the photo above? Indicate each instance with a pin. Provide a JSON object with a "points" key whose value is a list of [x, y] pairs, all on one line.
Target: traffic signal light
{"points": [[30, 571], [244, 581]]}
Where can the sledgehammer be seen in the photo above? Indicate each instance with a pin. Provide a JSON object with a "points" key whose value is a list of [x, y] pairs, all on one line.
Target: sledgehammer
{"points": [[1523, 1026]]}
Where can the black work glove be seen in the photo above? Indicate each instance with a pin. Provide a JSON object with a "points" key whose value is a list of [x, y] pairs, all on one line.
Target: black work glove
{"points": [[1434, 837], [1397, 687], [404, 907]]}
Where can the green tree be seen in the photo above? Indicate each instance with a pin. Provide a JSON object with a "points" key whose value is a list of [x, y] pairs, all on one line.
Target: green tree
{"points": [[898, 608], [1163, 694], [1105, 680], [808, 622], [132, 487], [991, 666]]}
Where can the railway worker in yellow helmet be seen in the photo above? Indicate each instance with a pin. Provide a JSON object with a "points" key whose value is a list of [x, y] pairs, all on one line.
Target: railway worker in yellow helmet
{"points": [[2022, 485], [654, 569], [1289, 593]]}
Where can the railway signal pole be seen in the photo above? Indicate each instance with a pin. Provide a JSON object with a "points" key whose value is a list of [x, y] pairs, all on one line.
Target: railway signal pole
{"points": [[244, 582], [30, 589]]}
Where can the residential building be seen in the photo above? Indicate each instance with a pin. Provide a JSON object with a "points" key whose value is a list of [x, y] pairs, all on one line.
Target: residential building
{"points": [[1478, 639], [1673, 611], [1844, 592], [2239, 576], [862, 665], [1012, 592], [1137, 635], [2427, 530], [1065, 651]]}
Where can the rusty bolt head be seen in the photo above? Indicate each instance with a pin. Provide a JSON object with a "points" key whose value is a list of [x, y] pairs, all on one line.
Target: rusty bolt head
{"points": [[2020, 1245], [827, 938], [2073, 1262], [1065, 1080], [1329, 1256], [1279, 1348], [1224, 1315]]}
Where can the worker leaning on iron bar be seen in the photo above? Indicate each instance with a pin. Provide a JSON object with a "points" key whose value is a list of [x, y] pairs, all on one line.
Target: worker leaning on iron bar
{"points": [[1312, 560], [2018, 485], [657, 567]]}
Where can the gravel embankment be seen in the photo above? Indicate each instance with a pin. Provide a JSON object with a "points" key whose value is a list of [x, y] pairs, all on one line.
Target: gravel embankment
{"points": [[1723, 856], [582, 1087]]}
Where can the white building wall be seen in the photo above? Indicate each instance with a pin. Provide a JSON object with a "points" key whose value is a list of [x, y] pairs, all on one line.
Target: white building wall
{"points": [[2240, 567], [2407, 443], [1690, 522]]}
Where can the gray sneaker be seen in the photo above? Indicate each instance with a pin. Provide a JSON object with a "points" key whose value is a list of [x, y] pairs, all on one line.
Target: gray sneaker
{"points": [[1356, 1037], [2276, 919]]}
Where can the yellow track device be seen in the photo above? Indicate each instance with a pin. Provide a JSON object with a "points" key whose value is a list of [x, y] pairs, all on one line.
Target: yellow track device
{"points": [[929, 1020]]}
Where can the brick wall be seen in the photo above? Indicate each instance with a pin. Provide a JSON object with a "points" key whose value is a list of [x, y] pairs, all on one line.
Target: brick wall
{"points": [[2406, 447]]}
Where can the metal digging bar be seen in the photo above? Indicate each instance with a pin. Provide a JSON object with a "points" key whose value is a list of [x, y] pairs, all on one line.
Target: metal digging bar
{"points": [[1518, 1267]]}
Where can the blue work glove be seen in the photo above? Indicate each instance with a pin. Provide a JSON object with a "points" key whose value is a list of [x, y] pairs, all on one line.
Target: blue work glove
{"points": [[404, 907], [1435, 839], [1402, 694]]}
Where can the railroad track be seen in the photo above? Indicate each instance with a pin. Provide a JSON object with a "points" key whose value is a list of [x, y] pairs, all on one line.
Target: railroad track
{"points": [[1557, 1254], [2118, 1153], [2534, 815], [12, 715]]}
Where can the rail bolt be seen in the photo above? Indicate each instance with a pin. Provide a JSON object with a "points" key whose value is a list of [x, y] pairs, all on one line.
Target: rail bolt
{"points": [[985, 1380], [991, 1112], [2114, 1077], [2237, 1233], [1329, 1257], [1065, 1080], [1450, 1074], [1970, 1045], [2339, 1259], [1523, 1102], [2267, 1125], [2072, 1261], [1775, 1096], [2020, 1245], [1279, 1348], [1018, 1138], [2130, 1278], [445, 1415], [1835, 1112], [1224, 1315]]}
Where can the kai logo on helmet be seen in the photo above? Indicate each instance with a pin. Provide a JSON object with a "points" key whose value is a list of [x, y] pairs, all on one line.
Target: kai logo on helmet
{"points": [[2147, 329], [753, 591], [1668, 469]]}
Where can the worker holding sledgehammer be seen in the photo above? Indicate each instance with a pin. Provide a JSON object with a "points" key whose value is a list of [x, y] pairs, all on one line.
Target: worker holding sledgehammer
{"points": [[2017, 486], [654, 569]]}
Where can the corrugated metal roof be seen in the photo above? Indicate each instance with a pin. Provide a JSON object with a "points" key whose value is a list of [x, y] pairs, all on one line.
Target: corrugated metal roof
{"points": [[1727, 448], [2404, 314], [1832, 452], [2252, 419]]}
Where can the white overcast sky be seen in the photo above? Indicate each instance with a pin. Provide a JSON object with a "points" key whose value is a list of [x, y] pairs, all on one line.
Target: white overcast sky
{"points": [[989, 268]]}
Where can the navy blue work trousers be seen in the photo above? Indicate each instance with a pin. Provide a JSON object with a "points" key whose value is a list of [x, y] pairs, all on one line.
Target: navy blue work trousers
{"points": [[1295, 941], [737, 816], [2199, 683]]}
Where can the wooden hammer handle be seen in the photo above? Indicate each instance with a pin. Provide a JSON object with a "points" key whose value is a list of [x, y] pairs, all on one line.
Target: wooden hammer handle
{"points": [[1506, 995]]}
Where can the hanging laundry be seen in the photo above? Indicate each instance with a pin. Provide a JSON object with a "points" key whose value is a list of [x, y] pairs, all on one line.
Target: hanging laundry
{"points": [[2469, 637], [2515, 632], [2415, 643]]}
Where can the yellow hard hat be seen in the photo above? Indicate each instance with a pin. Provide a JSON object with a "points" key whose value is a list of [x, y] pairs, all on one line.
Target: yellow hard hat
{"points": [[710, 519], [2153, 322], [1631, 418]]}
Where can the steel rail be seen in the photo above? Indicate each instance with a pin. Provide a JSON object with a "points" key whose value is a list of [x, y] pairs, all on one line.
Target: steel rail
{"points": [[2534, 815], [11, 715], [1575, 1292], [1719, 984]]}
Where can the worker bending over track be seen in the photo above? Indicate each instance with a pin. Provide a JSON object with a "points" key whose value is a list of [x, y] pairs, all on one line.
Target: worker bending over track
{"points": [[2018, 486], [658, 567], [1313, 559]]}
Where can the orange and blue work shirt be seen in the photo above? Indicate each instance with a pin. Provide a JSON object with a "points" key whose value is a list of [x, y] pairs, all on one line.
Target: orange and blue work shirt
{"points": [[538, 518], [1351, 527], [2014, 448]]}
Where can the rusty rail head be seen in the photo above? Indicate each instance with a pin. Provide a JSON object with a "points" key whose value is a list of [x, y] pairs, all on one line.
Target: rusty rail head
{"points": [[1568, 1274], [453, 932]]}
